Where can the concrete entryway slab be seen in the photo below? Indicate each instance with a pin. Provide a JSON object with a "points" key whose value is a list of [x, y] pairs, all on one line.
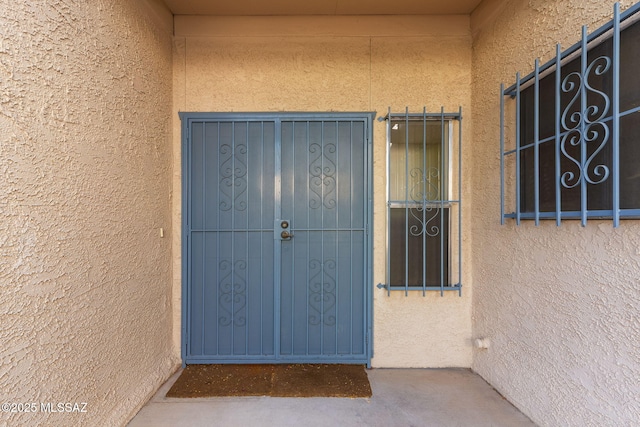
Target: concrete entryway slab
{"points": [[401, 397]]}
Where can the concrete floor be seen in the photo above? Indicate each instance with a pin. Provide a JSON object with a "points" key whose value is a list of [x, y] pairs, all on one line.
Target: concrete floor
{"points": [[401, 397]]}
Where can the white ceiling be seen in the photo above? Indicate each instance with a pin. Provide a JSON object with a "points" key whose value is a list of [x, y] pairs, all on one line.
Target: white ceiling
{"points": [[321, 7]]}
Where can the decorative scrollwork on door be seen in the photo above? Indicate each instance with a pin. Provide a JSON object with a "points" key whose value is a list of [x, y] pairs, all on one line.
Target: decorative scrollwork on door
{"points": [[322, 292], [233, 177], [322, 179], [232, 294]]}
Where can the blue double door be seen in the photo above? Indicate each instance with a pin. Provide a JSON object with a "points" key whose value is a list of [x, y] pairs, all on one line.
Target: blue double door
{"points": [[275, 238]]}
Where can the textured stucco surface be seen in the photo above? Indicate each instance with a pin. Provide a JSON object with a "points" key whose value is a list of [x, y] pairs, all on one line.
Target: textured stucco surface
{"points": [[559, 305], [85, 183], [339, 64]]}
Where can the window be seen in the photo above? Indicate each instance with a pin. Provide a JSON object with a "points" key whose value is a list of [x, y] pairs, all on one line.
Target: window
{"points": [[423, 219], [575, 149]]}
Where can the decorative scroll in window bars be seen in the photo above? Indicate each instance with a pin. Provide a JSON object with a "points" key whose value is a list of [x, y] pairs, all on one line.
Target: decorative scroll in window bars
{"points": [[586, 138], [424, 221]]}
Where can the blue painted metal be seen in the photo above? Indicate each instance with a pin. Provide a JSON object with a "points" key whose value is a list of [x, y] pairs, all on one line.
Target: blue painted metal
{"points": [[406, 199], [186, 165], [517, 152], [277, 242], [426, 196], [447, 288], [580, 127], [583, 112], [315, 254], [388, 174], [615, 128], [558, 171], [420, 116], [502, 154], [251, 295], [588, 125], [536, 142], [424, 193], [368, 244], [459, 201], [594, 214], [564, 133], [442, 195]]}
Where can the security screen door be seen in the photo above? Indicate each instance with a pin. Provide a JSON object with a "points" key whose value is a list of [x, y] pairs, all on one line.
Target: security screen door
{"points": [[275, 241]]}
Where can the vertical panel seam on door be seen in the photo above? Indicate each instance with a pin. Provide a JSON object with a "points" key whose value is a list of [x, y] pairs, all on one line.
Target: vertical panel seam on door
{"points": [[337, 233], [261, 238], [322, 195], [204, 248], [187, 231], [308, 187], [292, 223], [277, 243], [233, 226], [218, 244], [351, 196], [246, 251]]}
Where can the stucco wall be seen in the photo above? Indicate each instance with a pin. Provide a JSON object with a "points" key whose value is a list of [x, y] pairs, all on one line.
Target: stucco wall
{"points": [[339, 64], [85, 183], [559, 304]]}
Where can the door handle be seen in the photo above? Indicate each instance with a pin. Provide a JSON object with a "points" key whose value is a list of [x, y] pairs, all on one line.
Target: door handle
{"points": [[282, 230]]}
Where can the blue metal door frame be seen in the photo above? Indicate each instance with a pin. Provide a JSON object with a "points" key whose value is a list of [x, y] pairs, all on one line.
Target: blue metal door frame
{"points": [[322, 308]]}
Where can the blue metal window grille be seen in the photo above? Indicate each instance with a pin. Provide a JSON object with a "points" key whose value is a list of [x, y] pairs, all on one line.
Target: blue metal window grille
{"points": [[424, 219], [573, 152]]}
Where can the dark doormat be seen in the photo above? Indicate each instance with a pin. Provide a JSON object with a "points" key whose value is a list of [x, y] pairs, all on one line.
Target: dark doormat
{"points": [[299, 380]]}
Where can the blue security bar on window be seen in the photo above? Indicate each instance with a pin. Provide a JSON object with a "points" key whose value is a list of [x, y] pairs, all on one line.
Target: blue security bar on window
{"points": [[571, 152], [424, 218]]}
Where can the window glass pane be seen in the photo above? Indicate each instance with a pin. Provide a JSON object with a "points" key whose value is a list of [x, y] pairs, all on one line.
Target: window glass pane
{"points": [[428, 246], [630, 125], [629, 63], [418, 220], [630, 161], [415, 176]]}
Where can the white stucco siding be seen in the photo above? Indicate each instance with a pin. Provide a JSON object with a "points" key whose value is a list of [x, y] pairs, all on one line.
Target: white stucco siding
{"points": [[558, 304], [85, 182]]}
